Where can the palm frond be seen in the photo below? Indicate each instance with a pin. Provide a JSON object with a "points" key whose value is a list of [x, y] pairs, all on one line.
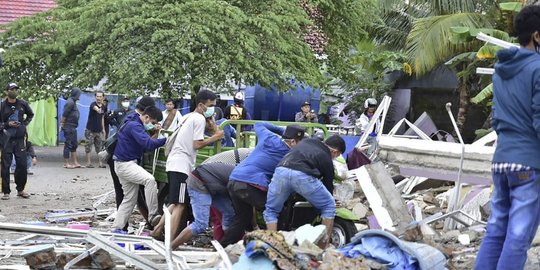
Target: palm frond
{"points": [[428, 44], [483, 95]]}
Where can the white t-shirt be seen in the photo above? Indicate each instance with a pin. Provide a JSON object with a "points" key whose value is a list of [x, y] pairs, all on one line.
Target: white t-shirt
{"points": [[182, 156], [175, 122]]}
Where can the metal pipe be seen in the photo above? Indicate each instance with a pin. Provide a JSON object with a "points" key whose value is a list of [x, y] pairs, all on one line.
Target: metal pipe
{"points": [[458, 183]]}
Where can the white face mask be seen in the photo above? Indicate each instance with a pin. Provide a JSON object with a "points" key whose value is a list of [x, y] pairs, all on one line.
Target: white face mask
{"points": [[125, 104]]}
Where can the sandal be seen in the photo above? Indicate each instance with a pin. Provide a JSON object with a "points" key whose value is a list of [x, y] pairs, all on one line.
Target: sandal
{"points": [[5, 197], [102, 166], [89, 166], [23, 194]]}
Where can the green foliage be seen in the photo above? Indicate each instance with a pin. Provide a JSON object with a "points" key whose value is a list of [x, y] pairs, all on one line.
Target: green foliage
{"points": [[485, 94], [175, 47]]}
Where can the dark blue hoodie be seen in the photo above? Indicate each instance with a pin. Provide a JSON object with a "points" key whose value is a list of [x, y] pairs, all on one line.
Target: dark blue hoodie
{"points": [[133, 141], [516, 107]]}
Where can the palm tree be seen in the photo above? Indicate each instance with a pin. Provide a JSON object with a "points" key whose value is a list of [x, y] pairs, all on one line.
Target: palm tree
{"points": [[426, 35]]}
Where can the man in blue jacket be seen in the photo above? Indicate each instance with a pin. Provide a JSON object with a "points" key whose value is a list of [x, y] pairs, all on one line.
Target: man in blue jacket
{"points": [[248, 183], [515, 203], [133, 141]]}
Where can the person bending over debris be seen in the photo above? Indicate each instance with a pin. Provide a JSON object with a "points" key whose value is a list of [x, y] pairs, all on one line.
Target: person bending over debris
{"points": [[515, 203], [207, 186], [249, 180], [133, 141], [299, 171]]}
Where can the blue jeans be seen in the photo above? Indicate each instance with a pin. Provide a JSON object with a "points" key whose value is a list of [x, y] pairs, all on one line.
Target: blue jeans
{"points": [[28, 163], [515, 214], [200, 205], [286, 181]]}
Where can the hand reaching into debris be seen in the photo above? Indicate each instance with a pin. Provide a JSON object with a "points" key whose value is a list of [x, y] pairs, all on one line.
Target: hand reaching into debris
{"points": [[338, 203]]}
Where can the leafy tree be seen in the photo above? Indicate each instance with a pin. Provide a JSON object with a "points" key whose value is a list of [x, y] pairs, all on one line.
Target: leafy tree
{"points": [[178, 46]]}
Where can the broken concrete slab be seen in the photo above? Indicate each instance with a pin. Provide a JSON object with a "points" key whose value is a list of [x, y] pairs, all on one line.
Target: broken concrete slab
{"points": [[40, 257], [383, 197], [360, 210], [437, 159]]}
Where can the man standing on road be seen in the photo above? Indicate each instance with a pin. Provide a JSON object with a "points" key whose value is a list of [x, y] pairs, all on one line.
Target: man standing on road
{"points": [[515, 203], [14, 122], [181, 159], [249, 180], [301, 171], [306, 114], [69, 124], [133, 141], [95, 128]]}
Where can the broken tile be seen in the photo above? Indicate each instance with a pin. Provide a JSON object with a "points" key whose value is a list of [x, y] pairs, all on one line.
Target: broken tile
{"points": [[309, 233]]}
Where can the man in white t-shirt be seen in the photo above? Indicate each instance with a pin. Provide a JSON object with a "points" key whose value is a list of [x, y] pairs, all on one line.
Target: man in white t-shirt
{"points": [[171, 116], [181, 159]]}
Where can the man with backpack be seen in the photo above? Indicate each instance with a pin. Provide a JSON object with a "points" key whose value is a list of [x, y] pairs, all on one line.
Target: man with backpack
{"points": [[133, 141], [15, 115]]}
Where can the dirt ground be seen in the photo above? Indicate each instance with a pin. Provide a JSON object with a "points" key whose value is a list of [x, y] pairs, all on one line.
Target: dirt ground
{"points": [[54, 187]]}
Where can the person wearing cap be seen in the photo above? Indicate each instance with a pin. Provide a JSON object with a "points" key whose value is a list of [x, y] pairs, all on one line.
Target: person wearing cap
{"points": [[68, 125], [236, 111], [362, 124], [95, 128], [306, 114], [249, 180], [142, 104], [309, 171], [15, 115]]}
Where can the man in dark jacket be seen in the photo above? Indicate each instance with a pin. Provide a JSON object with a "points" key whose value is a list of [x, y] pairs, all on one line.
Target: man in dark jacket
{"points": [[14, 122], [249, 180], [117, 117], [300, 171], [515, 203], [69, 124], [207, 186], [133, 141]]}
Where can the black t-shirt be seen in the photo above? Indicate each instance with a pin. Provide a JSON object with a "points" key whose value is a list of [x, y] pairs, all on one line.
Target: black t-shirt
{"points": [[95, 119], [312, 157]]}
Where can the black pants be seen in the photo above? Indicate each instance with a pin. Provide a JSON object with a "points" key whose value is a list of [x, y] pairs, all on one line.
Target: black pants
{"points": [[17, 148], [119, 192], [70, 145], [244, 197]]}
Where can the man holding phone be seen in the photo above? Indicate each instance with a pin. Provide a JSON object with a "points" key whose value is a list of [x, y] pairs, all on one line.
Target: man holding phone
{"points": [[13, 123], [306, 114]]}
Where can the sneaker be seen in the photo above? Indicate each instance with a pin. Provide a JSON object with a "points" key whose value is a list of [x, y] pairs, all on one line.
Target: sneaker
{"points": [[23, 194], [5, 197], [30, 172]]}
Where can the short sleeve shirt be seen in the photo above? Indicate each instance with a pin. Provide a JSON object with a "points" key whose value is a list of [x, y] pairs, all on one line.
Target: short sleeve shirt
{"points": [[182, 156]]}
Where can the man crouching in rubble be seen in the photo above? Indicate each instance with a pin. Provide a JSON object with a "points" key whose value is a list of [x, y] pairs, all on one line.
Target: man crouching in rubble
{"points": [[132, 142], [515, 203], [299, 171]]}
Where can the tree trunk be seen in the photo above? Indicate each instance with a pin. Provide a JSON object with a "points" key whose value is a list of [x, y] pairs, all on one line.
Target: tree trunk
{"points": [[464, 103]]}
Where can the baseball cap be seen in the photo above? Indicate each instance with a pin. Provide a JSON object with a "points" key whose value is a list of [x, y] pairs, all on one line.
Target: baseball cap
{"points": [[294, 132], [306, 103], [11, 86]]}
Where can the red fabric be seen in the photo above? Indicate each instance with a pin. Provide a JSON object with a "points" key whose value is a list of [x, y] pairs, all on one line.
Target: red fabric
{"points": [[215, 220], [10, 10]]}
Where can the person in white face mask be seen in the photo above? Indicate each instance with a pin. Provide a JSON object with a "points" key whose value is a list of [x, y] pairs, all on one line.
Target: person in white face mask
{"points": [[181, 159], [116, 118]]}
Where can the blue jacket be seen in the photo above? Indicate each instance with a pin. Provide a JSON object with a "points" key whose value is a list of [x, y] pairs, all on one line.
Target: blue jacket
{"points": [[133, 141], [259, 166], [516, 107]]}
